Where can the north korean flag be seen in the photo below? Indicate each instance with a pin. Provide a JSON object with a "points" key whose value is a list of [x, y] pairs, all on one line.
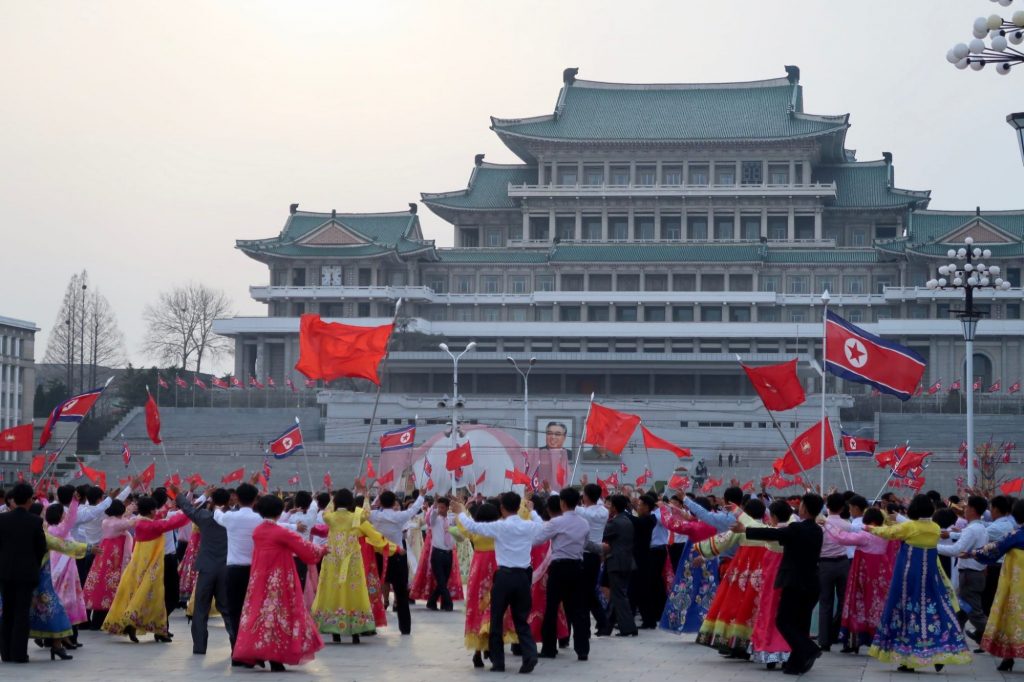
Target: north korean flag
{"points": [[856, 355], [854, 446], [73, 409], [399, 439], [288, 443], [1014, 387]]}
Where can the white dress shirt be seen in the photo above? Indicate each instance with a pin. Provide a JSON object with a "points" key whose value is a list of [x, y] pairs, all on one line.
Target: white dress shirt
{"points": [[974, 536], [514, 537], [239, 525], [856, 523], [440, 536], [596, 517], [997, 530], [89, 523], [391, 522], [307, 518]]}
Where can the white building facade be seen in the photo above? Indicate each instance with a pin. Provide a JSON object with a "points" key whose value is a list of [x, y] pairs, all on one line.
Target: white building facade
{"points": [[17, 387]]}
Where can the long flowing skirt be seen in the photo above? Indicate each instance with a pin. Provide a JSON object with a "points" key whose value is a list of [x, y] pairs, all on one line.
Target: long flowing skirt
{"points": [[691, 593], [766, 644], [424, 583], [866, 589], [478, 602], [1004, 634], [275, 625], [105, 574], [730, 619], [373, 584], [312, 580], [139, 602], [187, 573], [47, 619], [918, 626], [342, 604], [68, 585]]}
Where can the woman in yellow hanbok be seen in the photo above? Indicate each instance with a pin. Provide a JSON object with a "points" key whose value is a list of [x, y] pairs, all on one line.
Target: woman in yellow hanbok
{"points": [[342, 604], [139, 603]]}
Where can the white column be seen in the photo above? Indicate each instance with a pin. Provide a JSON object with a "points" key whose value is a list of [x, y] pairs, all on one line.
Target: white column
{"points": [[632, 173], [630, 218], [540, 170], [711, 222], [682, 224], [551, 224], [526, 225], [604, 220], [657, 211], [578, 231], [16, 416], [817, 224], [791, 223], [792, 172], [764, 221]]}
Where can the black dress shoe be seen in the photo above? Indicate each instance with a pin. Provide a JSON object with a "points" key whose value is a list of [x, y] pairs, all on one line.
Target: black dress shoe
{"points": [[478, 660], [627, 634], [1006, 665], [497, 668], [276, 667], [528, 666], [547, 654], [582, 657], [602, 633]]}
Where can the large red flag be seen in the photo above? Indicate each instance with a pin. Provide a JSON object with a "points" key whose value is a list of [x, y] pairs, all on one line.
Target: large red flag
{"points": [[38, 464], [387, 478], [807, 447], [678, 482], [778, 385], [888, 458], [910, 460], [460, 457], [95, 475], [652, 442], [148, 474], [1012, 487], [710, 485], [609, 429], [236, 475], [16, 438], [517, 477], [329, 350], [370, 471], [152, 419]]}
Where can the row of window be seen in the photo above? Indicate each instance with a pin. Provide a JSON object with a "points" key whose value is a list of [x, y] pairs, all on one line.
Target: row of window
{"points": [[12, 346], [700, 174]]}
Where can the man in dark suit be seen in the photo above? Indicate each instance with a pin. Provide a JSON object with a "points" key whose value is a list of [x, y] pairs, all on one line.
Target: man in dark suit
{"points": [[212, 567], [798, 580], [22, 548], [619, 565]]}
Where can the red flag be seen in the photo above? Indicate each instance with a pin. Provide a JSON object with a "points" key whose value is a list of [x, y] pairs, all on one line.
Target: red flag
{"points": [[603, 485], [294, 480], [807, 447], [174, 481], [609, 429], [387, 478], [517, 477], [613, 480], [270, 382], [918, 390], [910, 460], [95, 475], [652, 442], [888, 458], [152, 419], [16, 438], [236, 382], [461, 456], [862, 357], [291, 385], [329, 350], [219, 383], [643, 478], [328, 483], [198, 382], [996, 387], [710, 485], [916, 483], [778, 385], [179, 382], [38, 464], [148, 474], [748, 487], [126, 454], [935, 388], [398, 439], [255, 383], [197, 480], [1012, 487], [623, 468], [21, 477], [976, 386], [288, 443], [955, 386], [560, 474], [262, 480], [236, 475], [482, 477], [1014, 387], [310, 383], [430, 485], [370, 471], [678, 482], [163, 382]]}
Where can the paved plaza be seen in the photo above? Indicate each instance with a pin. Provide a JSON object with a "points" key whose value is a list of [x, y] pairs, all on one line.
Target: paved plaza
{"points": [[435, 652]]}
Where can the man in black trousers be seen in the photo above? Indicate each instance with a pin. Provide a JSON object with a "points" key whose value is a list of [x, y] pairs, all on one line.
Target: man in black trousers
{"points": [[798, 580], [22, 548], [619, 565]]}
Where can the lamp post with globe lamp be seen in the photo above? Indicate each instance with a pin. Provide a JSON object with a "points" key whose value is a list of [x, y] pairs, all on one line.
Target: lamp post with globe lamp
{"points": [[526, 395], [969, 276], [456, 398]]}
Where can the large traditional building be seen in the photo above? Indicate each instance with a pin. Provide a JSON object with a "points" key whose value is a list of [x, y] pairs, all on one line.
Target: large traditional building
{"points": [[650, 235], [17, 386]]}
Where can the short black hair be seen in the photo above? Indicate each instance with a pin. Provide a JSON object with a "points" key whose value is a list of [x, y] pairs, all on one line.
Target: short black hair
{"points": [[20, 493], [703, 501], [220, 497], [754, 508], [733, 494], [570, 496], [1002, 504], [619, 502], [978, 503], [386, 499], [303, 499], [94, 495], [592, 492], [510, 502], [650, 500], [65, 494], [781, 510], [488, 511], [247, 494], [1018, 511], [54, 513], [835, 503], [553, 505], [921, 507], [36, 509], [160, 495], [146, 505], [344, 499], [323, 499], [442, 500], [812, 503], [270, 506], [858, 501], [873, 516], [116, 508], [944, 517]]}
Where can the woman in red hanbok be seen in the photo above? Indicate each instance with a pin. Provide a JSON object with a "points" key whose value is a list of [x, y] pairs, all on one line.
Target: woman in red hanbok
{"points": [[276, 625], [114, 552], [540, 559], [187, 572], [766, 642], [423, 583]]}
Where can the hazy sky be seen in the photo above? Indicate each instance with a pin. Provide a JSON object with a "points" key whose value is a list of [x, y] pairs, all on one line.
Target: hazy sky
{"points": [[139, 139]]}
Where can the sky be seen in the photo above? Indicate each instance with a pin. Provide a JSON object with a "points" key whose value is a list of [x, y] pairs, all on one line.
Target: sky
{"points": [[139, 139]]}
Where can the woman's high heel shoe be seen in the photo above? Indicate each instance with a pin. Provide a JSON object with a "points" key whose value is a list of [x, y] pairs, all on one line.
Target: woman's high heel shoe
{"points": [[355, 639], [130, 633], [61, 654], [161, 638], [1006, 666], [276, 667], [478, 660]]}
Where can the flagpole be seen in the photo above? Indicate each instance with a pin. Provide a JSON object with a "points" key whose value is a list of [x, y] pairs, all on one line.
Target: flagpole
{"points": [[824, 380], [305, 458], [579, 446], [778, 427], [380, 384], [67, 440], [892, 470]]}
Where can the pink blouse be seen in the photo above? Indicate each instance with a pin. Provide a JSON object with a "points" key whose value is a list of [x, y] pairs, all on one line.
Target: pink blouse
{"points": [[697, 531], [864, 540], [114, 526]]}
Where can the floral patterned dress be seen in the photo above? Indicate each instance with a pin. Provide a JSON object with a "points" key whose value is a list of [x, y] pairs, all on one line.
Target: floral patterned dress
{"points": [[766, 643], [139, 601], [113, 555], [918, 626], [693, 587], [187, 573], [423, 583], [275, 625], [478, 594], [867, 584], [47, 618], [64, 570], [342, 605], [1004, 634]]}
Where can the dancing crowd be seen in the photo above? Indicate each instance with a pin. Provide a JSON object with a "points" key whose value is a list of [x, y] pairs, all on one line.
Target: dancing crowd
{"points": [[912, 582]]}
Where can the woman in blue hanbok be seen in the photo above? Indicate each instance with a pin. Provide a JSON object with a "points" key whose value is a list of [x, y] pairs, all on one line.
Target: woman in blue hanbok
{"points": [[695, 582]]}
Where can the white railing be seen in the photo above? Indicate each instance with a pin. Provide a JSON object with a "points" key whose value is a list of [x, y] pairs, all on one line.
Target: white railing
{"points": [[813, 189], [265, 293], [926, 294]]}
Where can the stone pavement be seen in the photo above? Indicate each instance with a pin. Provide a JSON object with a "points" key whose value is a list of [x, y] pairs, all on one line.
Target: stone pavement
{"points": [[435, 652]]}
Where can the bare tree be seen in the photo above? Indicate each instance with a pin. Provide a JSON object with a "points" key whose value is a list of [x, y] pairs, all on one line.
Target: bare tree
{"points": [[85, 335], [180, 325]]}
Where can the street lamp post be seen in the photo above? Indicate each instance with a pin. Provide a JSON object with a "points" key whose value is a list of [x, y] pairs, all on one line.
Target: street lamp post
{"points": [[456, 400], [526, 396], [968, 276], [1016, 121]]}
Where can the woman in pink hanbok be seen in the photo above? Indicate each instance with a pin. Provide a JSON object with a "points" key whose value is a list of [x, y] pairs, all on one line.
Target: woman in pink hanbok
{"points": [[114, 552], [64, 570]]}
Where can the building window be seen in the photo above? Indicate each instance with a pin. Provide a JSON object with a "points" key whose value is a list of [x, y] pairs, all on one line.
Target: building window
{"points": [[724, 227], [543, 314], [437, 313], [330, 276], [671, 227], [626, 313], [918, 311], [464, 314], [825, 283], [767, 315], [597, 313], [885, 231], [859, 237], [778, 174], [620, 175], [572, 282], [797, 315], [517, 314], [698, 175], [618, 228], [569, 313], [565, 227], [278, 277], [494, 237], [682, 313], [751, 172], [883, 313], [741, 282], [671, 175], [709, 282], [593, 175], [1013, 311], [645, 176], [469, 237], [881, 283], [539, 228], [490, 284], [362, 310], [654, 314], [627, 283], [798, 284], [592, 228], [490, 314], [768, 283], [739, 314], [855, 315], [656, 283], [600, 283], [684, 282], [544, 283], [365, 277], [1013, 276], [696, 228], [643, 225], [803, 226], [298, 309], [567, 175], [517, 284], [854, 284], [464, 284], [725, 173], [437, 283], [778, 227], [710, 314], [751, 227]]}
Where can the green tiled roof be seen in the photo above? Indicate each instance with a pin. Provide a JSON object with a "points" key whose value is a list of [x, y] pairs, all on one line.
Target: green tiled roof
{"points": [[659, 253], [929, 226], [589, 110], [383, 228], [492, 255], [487, 188], [866, 185], [821, 256]]}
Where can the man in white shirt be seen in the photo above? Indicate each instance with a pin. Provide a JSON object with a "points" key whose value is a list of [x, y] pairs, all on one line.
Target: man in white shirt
{"points": [[513, 539], [441, 545], [1002, 524], [390, 522], [971, 573], [239, 525], [833, 569], [596, 515]]}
